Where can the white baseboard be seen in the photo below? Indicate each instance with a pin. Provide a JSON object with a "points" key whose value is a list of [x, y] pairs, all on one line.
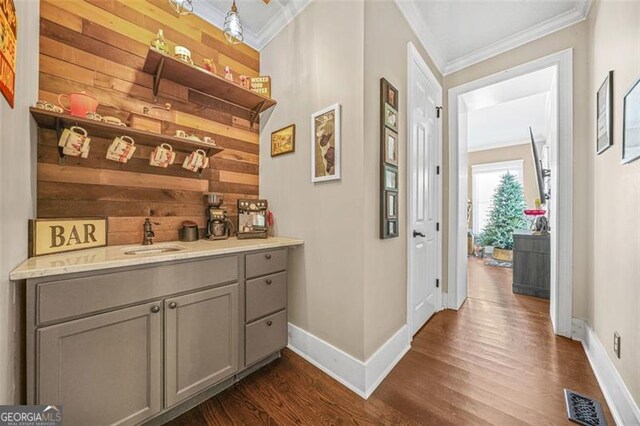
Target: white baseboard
{"points": [[623, 407], [360, 377]]}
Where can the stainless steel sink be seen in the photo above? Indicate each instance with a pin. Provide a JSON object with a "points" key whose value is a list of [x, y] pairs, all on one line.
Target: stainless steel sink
{"points": [[152, 249]]}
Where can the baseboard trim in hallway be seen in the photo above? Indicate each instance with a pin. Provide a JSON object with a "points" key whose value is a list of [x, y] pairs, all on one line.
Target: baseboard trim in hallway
{"points": [[623, 407], [360, 377]]}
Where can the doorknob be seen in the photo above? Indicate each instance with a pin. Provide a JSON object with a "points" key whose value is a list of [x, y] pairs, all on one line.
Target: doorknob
{"points": [[418, 234]]}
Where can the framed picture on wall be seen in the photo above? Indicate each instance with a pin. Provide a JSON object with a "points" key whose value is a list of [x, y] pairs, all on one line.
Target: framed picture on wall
{"points": [[631, 124], [391, 205], [390, 117], [325, 140], [283, 141], [389, 94], [605, 107], [390, 178], [390, 148]]}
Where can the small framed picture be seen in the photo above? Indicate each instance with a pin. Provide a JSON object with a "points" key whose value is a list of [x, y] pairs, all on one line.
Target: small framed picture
{"points": [[390, 117], [283, 141], [391, 228], [605, 106], [631, 124], [325, 141], [390, 178], [389, 94], [390, 148], [391, 205]]}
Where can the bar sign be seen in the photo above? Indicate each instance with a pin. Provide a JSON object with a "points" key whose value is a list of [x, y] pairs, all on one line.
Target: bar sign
{"points": [[48, 236]]}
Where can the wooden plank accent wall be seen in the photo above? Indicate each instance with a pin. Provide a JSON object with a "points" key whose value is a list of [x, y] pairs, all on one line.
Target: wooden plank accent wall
{"points": [[99, 46]]}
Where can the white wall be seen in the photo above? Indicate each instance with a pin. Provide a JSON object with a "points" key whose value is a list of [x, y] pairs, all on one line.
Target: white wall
{"points": [[316, 61], [17, 192], [614, 198]]}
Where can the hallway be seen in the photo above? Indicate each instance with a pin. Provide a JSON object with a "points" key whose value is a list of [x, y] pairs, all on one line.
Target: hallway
{"points": [[496, 361]]}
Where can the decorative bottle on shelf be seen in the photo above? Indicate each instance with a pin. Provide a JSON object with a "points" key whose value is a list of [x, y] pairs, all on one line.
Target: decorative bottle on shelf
{"points": [[159, 43]]}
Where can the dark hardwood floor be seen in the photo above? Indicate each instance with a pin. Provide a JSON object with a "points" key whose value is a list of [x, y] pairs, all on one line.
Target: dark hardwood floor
{"points": [[496, 361]]}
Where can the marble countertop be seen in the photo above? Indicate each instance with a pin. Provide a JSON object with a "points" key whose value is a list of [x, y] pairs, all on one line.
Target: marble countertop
{"points": [[116, 257]]}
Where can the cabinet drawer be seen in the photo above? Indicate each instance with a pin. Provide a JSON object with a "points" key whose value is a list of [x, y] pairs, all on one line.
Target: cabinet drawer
{"points": [[266, 295], [75, 297], [266, 336], [539, 244], [266, 262]]}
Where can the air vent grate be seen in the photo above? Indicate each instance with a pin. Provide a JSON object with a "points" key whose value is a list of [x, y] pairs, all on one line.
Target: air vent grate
{"points": [[584, 410]]}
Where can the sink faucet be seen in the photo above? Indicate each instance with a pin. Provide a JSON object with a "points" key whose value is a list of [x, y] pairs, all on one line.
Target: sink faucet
{"points": [[147, 233]]}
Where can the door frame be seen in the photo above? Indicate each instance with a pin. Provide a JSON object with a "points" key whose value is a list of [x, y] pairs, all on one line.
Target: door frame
{"points": [[415, 59], [561, 183]]}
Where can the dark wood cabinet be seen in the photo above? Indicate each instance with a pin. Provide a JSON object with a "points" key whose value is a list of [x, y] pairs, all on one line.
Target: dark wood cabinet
{"points": [[531, 264]]}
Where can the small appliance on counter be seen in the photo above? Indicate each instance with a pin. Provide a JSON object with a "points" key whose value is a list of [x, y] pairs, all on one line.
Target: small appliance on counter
{"points": [[252, 219], [218, 224], [189, 231]]}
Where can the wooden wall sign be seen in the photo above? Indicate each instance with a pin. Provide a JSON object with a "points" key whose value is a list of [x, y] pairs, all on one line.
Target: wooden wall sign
{"points": [[8, 42], [261, 85], [48, 236]]}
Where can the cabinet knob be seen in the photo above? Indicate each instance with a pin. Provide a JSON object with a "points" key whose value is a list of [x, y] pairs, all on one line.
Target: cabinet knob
{"points": [[269, 323], [269, 282], [173, 305], [155, 309], [267, 256]]}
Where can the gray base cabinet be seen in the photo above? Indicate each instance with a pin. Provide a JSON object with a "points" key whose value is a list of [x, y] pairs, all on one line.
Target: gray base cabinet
{"points": [[201, 341], [144, 344], [105, 369], [531, 264]]}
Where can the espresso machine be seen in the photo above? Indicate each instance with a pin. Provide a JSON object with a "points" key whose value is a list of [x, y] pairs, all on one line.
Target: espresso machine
{"points": [[218, 224], [252, 219]]}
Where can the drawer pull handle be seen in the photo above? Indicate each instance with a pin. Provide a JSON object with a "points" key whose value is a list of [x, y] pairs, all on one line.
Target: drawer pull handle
{"points": [[267, 256], [269, 323], [269, 282], [155, 309], [173, 305]]}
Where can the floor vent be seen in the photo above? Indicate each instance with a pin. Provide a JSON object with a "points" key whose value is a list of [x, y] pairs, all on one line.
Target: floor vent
{"points": [[584, 410]]}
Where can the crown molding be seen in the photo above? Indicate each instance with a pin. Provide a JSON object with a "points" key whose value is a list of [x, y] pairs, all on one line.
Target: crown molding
{"points": [[209, 13], [577, 14], [412, 16]]}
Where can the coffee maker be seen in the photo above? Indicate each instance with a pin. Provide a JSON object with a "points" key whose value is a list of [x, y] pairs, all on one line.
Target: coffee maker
{"points": [[218, 223], [252, 219]]}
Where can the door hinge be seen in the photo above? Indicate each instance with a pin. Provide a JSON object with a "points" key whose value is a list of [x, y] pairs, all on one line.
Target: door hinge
{"points": [[437, 282], [437, 170], [438, 109], [437, 226]]}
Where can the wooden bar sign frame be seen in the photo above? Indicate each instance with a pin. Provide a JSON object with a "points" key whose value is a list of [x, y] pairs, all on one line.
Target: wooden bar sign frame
{"points": [[50, 236]]}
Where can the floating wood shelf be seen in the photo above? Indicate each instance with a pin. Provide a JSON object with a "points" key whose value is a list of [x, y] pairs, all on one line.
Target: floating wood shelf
{"points": [[58, 122], [163, 66]]}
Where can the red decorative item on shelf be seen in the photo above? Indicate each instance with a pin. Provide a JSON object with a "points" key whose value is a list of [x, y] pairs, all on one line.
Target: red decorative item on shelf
{"points": [[533, 212]]}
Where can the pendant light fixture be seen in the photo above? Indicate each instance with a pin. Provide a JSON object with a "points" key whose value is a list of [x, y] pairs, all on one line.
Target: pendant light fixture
{"points": [[233, 26], [182, 7]]}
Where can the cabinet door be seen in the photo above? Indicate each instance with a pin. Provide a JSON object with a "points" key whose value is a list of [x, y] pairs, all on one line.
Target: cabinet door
{"points": [[201, 341], [105, 369]]}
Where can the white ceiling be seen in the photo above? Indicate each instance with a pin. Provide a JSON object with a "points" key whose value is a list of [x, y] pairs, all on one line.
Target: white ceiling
{"points": [[260, 21], [459, 33], [500, 115], [456, 33]]}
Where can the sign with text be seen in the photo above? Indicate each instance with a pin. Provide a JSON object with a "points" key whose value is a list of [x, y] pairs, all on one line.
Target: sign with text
{"points": [[260, 85], [48, 236], [8, 42]]}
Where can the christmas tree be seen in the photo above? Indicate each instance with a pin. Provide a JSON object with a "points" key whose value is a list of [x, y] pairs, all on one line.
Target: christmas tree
{"points": [[507, 214]]}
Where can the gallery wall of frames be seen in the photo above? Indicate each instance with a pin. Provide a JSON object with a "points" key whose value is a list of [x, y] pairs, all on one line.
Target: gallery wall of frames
{"points": [[389, 177]]}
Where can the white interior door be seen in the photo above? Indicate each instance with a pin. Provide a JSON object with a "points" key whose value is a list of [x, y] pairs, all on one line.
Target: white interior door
{"points": [[423, 158]]}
